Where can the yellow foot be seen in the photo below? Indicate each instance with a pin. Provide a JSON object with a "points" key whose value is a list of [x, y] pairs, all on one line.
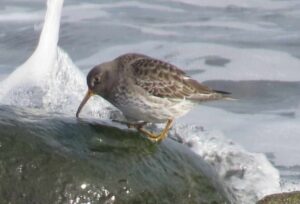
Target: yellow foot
{"points": [[161, 136]]}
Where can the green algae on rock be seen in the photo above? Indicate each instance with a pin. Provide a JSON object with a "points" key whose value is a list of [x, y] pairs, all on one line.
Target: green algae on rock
{"points": [[55, 159]]}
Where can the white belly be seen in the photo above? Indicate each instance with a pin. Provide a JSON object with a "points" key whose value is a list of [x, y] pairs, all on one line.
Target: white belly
{"points": [[155, 109]]}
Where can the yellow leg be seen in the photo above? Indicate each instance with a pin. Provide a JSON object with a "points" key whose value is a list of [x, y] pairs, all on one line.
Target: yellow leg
{"points": [[160, 136]]}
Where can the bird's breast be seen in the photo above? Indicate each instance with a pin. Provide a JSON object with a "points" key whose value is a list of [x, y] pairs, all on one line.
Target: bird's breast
{"points": [[138, 105]]}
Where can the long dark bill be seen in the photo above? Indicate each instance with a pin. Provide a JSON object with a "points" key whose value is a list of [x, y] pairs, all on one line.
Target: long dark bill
{"points": [[83, 102]]}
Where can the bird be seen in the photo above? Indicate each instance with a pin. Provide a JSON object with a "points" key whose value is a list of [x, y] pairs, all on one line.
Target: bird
{"points": [[147, 90]]}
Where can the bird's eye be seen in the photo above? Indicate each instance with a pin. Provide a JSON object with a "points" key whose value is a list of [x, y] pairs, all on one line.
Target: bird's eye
{"points": [[97, 79]]}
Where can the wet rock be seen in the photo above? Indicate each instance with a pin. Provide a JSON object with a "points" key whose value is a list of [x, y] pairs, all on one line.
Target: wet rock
{"points": [[282, 198], [55, 159]]}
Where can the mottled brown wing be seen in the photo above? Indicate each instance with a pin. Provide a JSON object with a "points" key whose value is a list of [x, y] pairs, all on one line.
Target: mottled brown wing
{"points": [[166, 80]]}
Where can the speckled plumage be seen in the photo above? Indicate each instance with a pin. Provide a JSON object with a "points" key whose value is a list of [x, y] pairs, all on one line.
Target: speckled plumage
{"points": [[152, 90], [147, 89]]}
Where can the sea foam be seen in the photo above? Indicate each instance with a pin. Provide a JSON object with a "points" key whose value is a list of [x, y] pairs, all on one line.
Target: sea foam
{"points": [[243, 177]]}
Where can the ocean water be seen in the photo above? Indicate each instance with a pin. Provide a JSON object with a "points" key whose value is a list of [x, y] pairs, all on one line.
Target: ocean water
{"points": [[249, 48]]}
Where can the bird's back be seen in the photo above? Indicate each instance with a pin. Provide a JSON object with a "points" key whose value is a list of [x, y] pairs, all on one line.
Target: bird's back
{"points": [[162, 79]]}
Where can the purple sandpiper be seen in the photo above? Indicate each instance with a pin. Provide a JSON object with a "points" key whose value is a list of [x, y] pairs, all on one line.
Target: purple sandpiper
{"points": [[147, 90]]}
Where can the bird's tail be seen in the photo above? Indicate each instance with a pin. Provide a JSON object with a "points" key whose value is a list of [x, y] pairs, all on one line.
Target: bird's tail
{"points": [[213, 95], [224, 95]]}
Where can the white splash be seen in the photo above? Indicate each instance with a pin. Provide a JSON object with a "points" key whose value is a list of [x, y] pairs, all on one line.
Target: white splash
{"points": [[242, 176], [49, 80], [65, 88], [34, 71]]}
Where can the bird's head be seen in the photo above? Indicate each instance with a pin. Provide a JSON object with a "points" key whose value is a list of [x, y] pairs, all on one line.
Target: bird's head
{"points": [[98, 81]]}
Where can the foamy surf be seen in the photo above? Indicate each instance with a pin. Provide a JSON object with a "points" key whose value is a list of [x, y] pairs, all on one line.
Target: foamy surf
{"points": [[49, 80], [242, 176]]}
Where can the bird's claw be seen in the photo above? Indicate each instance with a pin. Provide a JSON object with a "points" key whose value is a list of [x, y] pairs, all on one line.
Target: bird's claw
{"points": [[151, 136]]}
